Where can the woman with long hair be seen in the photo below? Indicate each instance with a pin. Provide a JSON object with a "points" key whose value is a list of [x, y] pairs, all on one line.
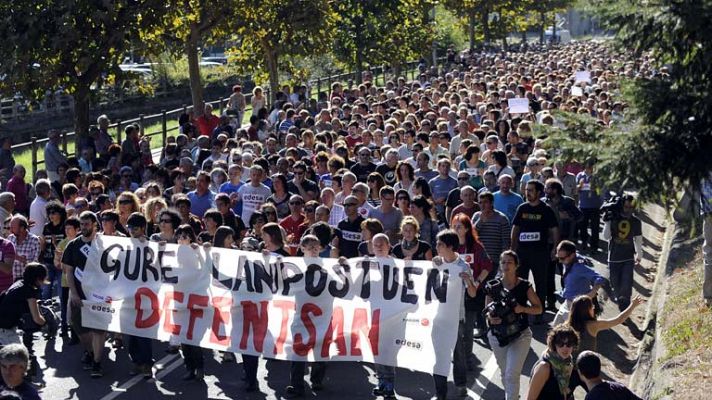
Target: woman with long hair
{"points": [[423, 211], [273, 239], [474, 166], [370, 227], [52, 233], [280, 195], [474, 254], [403, 201], [510, 343], [421, 188], [126, 204], [411, 247], [375, 183], [405, 173], [153, 206]]}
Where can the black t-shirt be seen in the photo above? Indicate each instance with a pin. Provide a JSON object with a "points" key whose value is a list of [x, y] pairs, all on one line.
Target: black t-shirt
{"points": [[349, 237], [205, 237], [623, 230], [48, 253], [13, 303], [534, 223], [307, 185], [75, 255], [388, 174], [25, 390], [362, 171], [234, 222], [611, 391], [453, 198], [423, 248]]}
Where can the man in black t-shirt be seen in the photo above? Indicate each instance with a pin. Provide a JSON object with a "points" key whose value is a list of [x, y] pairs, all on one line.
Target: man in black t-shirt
{"points": [[350, 229], [302, 186], [364, 165], [532, 226], [588, 364], [74, 260]]}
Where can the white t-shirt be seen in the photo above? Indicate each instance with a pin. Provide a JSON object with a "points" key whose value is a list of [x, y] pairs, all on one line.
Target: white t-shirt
{"points": [[252, 198], [39, 215]]}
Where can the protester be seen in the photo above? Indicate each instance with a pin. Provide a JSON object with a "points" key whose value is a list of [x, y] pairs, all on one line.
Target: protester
{"points": [[588, 364], [14, 359], [552, 374]]}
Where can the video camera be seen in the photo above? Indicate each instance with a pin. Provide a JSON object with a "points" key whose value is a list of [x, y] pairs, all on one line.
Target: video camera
{"points": [[612, 208], [51, 326], [502, 307]]}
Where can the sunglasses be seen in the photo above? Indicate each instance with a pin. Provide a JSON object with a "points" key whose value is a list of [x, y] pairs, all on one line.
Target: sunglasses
{"points": [[463, 178], [310, 209], [167, 221], [350, 204], [295, 203], [403, 198], [125, 201], [107, 220], [298, 172], [565, 344], [126, 176]]}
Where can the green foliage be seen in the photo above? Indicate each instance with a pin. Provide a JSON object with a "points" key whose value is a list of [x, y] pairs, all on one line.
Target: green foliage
{"points": [[665, 148], [378, 32]]}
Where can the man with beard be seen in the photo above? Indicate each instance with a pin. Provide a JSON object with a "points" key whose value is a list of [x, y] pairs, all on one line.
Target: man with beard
{"points": [[74, 260]]}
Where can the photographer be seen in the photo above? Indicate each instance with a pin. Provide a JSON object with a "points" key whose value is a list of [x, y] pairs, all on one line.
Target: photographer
{"points": [[21, 300], [511, 341], [624, 233]]}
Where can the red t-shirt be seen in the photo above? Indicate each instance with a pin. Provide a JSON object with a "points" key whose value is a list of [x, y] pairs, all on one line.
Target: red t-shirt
{"points": [[206, 125], [7, 251]]}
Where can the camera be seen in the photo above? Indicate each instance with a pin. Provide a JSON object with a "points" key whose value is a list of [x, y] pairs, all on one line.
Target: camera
{"points": [[502, 307], [612, 208], [51, 326]]}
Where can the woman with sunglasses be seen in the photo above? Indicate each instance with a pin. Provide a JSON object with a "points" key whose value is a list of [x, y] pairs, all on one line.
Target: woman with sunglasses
{"points": [[269, 212], [152, 208], [403, 201], [375, 183], [127, 204], [52, 233], [551, 376], [168, 222], [273, 239], [252, 240], [510, 344], [422, 210]]}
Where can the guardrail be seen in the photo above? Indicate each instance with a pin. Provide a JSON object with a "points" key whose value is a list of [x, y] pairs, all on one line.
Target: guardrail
{"points": [[143, 120]]}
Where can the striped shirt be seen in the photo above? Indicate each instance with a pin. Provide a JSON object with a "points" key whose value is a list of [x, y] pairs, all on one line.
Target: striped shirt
{"points": [[494, 233]]}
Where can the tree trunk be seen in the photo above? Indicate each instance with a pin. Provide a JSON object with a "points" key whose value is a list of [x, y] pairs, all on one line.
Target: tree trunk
{"points": [[273, 70], [196, 83], [485, 26], [524, 37], [359, 57], [82, 102], [553, 30], [542, 15], [471, 29]]}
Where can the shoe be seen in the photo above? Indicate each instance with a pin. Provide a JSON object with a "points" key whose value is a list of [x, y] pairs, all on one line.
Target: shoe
{"points": [[552, 308], [96, 370], [317, 386], [384, 390], [135, 370], [292, 392], [199, 374], [147, 371], [472, 362], [461, 391], [479, 333], [87, 361], [189, 376]]}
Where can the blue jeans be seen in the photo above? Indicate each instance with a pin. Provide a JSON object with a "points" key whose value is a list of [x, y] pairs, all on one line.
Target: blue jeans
{"points": [[141, 350], [621, 275], [54, 288]]}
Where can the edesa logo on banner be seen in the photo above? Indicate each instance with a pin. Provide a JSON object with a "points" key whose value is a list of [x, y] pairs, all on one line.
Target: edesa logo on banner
{"points": [[284, 308]]}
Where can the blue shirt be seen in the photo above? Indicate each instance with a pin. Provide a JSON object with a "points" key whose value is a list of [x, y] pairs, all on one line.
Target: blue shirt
{"points": [[200, 204], [507, 204], [589, 196], [229, 188], [579, 279]]}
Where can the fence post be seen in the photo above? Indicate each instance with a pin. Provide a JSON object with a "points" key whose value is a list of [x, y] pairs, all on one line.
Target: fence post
{"points": [[34, 157], [64, 141], [140, 123], [222, 106], [164, 127], [118, 131], [185, 109], [383, 72], [328, 87], [318, 87]]}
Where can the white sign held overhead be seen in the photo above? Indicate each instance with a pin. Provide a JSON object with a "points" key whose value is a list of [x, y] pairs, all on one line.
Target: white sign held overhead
{"points": [[583, 76], [518, 106], [576, 91]]}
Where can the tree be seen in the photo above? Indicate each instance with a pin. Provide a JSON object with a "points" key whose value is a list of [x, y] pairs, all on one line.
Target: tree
{"points": [[664, 149], [54, 43], [185, 27], [269, 32], [377, 32]]}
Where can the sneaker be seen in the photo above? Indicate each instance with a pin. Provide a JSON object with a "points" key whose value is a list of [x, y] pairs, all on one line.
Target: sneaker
{"points": [[147, 371], [461, 391], [478, 333], [291, 392], [87, 361], [96, 370]]}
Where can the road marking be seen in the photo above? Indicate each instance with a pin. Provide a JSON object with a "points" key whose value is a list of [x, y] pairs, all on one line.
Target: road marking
{"points": [[117, 391], [487, 373]]}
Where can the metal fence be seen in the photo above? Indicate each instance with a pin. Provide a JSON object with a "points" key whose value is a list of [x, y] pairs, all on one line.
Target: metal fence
{"points": [[36, 144]]}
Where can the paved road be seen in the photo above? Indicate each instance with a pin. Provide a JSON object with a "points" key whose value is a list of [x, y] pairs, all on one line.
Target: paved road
{"points": [[63, 377]]}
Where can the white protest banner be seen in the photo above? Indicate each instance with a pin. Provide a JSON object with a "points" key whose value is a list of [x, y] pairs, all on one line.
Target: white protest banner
{"points": [[518, 106], [583, 76], [576, 91], [393, 312]]}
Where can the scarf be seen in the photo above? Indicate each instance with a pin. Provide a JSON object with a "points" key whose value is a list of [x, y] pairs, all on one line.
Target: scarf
{"points": [[562, 369]]}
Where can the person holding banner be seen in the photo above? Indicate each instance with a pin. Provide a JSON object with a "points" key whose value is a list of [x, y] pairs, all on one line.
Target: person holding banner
{"points": [[140, 348], [74, 260], [273, 240], [448, 242], [511, 349], [311, 247]]}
